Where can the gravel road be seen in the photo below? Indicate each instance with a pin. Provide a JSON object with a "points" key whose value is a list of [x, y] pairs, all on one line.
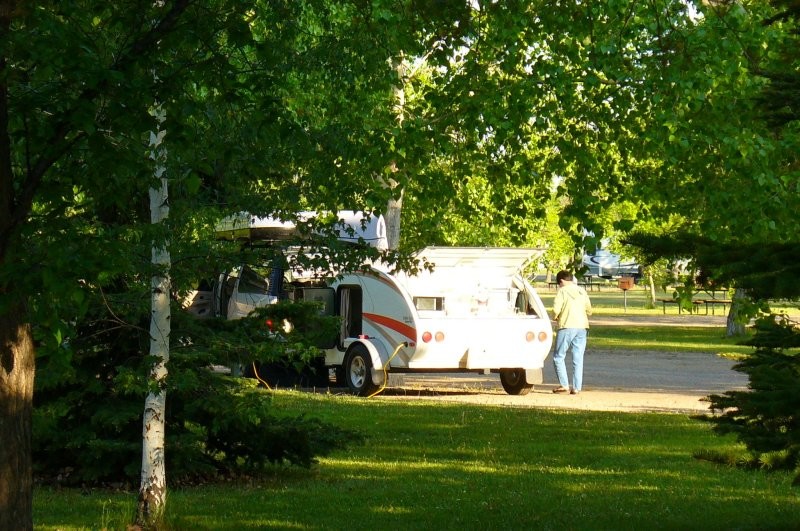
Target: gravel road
{"points": [[618, 380]]}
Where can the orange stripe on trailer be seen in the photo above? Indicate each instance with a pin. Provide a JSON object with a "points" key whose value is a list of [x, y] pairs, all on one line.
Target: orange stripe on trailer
{"points": [[408, 331]]}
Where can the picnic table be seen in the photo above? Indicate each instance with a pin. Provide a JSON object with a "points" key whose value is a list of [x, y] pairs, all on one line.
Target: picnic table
{"points": [[586, 283], [713, 303], [664, 302]]}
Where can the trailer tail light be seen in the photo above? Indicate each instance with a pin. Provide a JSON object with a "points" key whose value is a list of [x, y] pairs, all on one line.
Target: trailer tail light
{"points": [[427, 337], [530, 336]]}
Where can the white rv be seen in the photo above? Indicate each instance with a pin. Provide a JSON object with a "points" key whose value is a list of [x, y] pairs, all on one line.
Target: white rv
{"points": [[604, 263], [474, 312]]}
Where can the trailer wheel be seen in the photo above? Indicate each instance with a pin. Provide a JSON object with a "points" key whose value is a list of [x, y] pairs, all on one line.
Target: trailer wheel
{"points": [[514, 382], [358, 371]]}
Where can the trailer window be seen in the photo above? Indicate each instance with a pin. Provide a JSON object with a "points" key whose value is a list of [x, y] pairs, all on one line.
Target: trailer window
{"points": [[429, 303]]}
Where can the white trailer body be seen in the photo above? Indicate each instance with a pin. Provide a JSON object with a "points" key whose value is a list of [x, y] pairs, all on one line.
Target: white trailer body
{"points": [[474, 312]]}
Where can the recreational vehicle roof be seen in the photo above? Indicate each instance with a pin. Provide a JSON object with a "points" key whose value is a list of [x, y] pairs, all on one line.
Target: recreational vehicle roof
{"points": [[371, 229]]}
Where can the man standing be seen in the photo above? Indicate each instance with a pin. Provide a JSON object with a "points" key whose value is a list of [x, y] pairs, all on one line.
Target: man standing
{"points": [[572, 309]]}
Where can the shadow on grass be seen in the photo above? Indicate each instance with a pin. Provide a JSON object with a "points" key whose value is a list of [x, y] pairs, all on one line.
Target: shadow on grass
{"points": [[456, 466]]}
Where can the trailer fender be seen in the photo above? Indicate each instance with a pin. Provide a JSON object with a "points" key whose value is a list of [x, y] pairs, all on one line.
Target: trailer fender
{"points": [[379, 356]]}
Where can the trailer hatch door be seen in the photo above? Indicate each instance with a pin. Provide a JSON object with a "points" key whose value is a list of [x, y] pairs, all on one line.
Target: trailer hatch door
{"points": [[506, 259]]}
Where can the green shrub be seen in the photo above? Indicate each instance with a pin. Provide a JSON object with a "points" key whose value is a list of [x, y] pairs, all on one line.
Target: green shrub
{"points": [[90, 395], [766, 418]]}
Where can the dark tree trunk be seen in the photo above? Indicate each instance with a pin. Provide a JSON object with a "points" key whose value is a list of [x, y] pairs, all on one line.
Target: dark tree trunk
{"points": [[16, 404], [17, 363]]}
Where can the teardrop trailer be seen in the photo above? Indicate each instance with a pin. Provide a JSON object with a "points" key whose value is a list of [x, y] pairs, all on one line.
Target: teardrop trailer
{"points": [[473, 311]]}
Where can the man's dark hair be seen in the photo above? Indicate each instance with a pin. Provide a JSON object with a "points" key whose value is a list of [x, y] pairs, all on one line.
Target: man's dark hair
{"points": [[563, 275]]}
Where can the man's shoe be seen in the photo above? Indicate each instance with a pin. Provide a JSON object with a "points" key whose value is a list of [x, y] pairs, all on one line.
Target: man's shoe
{"points": [[561, 390], [574, 392]]}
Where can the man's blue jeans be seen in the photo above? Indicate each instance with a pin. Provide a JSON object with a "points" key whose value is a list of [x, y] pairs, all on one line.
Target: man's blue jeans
{"points": [[570, 339]]}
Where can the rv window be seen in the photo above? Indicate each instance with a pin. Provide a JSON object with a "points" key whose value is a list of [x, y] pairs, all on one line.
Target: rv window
{"points": [[429, 303]]}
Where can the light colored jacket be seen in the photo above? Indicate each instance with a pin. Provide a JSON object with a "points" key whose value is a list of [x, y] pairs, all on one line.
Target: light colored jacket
{"points": [[572, 306]]}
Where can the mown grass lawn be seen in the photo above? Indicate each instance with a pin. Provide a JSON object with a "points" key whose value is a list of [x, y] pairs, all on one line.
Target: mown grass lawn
{"points": [[429, 465], [666, 339]]}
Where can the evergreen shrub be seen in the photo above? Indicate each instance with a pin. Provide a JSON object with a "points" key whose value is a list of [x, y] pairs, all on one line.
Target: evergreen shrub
{"points": [[90, 392]]}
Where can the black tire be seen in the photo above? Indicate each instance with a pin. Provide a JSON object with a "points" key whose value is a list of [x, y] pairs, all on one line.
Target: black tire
{"points": [[514, 382], [358, 371], [341, 377]]}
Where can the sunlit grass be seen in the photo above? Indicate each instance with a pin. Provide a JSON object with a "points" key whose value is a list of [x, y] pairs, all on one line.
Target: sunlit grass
{"points": [[429, 465], [455, 466], [666, 339]]}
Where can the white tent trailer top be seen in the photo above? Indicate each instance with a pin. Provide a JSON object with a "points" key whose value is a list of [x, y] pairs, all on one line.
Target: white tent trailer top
{"points": [[474, 312], [351, 227]]}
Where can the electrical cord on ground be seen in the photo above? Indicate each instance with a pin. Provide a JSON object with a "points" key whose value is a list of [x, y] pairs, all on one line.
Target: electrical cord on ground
{"points": [[386, 366], [255, 372]]}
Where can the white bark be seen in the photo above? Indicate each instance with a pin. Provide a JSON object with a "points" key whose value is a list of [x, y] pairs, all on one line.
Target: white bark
{"points": [[651, 286], [395, 205], [393, 211], [153, 487]]}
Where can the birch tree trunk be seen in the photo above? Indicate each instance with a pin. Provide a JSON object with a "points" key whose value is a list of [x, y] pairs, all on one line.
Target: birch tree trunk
{"points": [[153, 487], [394, 207], [651, 291], [393, 210]]}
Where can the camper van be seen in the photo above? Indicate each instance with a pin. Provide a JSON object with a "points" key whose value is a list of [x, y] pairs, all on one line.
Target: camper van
{"points": [[473, 312]]}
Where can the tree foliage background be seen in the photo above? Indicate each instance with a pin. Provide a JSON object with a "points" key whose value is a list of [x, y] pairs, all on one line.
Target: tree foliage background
{"points": [[515, 116]]}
